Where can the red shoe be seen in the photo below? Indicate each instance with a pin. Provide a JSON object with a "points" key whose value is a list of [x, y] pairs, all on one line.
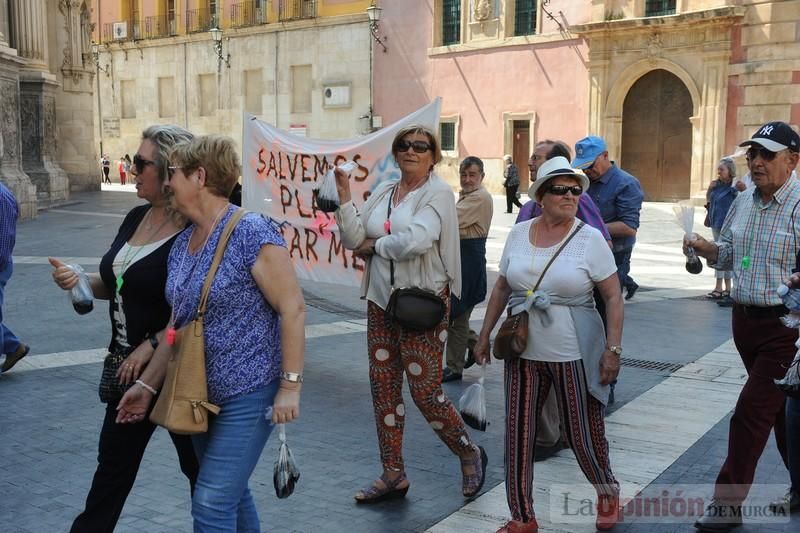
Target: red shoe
{"points": [[607, 512], [516, 526]]}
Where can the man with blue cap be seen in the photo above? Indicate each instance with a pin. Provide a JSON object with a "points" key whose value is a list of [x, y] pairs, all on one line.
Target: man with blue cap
{"points": [[619, 197]]}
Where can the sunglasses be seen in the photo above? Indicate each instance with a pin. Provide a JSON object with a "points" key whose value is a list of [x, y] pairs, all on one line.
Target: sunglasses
{"points": [[419, 147], [561, 190], [140, 163], [755, 151]]}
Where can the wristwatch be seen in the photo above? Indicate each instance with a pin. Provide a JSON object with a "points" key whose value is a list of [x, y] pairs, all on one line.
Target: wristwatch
{"points": [[616, 349], [292, 377]]}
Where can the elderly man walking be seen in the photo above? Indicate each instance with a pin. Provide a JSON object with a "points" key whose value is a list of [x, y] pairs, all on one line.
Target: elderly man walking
{"points": [[9, 212], [758, 242], [474, 209]]}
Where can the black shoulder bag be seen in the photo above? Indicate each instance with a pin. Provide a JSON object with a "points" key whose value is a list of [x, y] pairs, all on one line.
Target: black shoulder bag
{"points": [[413, 308]]}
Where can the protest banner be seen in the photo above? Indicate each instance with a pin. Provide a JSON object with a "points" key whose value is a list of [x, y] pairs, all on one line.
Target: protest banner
{"points": [[280, 172]]}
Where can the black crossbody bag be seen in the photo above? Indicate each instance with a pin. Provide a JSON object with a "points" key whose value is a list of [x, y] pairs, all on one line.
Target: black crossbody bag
{"points": [[413, 308]]}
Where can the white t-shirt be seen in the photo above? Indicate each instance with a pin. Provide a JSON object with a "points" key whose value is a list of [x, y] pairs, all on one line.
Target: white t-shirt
{"points": [[585, 260]]}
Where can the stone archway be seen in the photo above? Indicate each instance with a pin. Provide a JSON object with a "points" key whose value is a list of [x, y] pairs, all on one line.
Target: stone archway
{"points": [[657, 135]]}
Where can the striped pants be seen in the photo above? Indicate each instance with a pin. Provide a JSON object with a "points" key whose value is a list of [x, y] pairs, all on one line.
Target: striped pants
{"points": [[527, 385], [393, 351]]}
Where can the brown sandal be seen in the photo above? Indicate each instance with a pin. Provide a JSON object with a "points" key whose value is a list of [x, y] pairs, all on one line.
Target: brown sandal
{"points": [[390, 490], [473, 483]]}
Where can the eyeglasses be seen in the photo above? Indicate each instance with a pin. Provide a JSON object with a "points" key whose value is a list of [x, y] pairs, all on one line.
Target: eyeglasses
{"points": [[561, 190], [140, 163], [419, 147], [171, 170], [755, 151]]}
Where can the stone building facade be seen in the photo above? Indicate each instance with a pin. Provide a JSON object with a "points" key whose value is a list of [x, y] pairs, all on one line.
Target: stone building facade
{"points": [[672, 86], [302, 65], [45, 83]]}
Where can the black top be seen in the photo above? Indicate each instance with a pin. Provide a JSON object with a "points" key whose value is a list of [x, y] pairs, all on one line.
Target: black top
{"points": [[143, 301]]}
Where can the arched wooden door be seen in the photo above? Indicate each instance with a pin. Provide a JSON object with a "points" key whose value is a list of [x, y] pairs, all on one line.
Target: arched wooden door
{"points": [[657, 135]]}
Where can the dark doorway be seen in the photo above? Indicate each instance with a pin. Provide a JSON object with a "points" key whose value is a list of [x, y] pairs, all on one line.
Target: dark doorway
{"points": [[657, 135], [520, 153]]}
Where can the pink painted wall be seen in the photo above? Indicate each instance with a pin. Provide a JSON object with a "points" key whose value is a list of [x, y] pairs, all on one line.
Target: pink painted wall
{"points": [[549, 79]]}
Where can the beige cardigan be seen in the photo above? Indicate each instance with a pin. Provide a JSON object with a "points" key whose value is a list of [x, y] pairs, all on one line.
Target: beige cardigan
{"points": [[420, 270]]}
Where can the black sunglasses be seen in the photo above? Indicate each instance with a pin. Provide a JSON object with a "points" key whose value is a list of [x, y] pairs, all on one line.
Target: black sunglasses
{"points": [[755, 151], [419, 147], [561, 190], [140, 163]]}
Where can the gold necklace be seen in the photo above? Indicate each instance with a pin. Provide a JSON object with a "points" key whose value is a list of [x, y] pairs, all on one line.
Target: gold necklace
{"points": [[126, 263]]}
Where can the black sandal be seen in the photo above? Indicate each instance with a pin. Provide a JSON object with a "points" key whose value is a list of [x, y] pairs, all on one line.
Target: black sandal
{"points": [[390, 490]]}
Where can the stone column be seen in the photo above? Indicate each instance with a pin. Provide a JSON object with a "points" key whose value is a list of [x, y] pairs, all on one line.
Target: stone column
{"points": [[4, 23], [30, 31]]}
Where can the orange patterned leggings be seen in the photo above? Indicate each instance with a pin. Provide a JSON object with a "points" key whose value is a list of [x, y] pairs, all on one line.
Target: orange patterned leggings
{"points": [[392, 351]]}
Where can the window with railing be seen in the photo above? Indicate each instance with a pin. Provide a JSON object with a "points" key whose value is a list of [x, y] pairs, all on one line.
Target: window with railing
{"points": [[525, 17], [657, 8], [447, 134], [198, 20], [248, 13], [296, 9], [451, 22], [122, 30], [172, 24], [158, 26]]}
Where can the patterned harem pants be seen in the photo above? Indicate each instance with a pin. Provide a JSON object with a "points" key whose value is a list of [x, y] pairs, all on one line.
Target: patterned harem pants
{"points": [[527, 385]]}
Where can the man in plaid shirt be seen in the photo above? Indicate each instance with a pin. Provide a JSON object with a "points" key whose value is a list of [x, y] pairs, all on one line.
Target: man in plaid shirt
{"points": [[759, 241], [9, 212]]}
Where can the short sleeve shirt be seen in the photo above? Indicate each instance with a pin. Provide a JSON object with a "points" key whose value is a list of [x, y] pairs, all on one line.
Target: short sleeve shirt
{"points": [[242, 331], [584, 261]]}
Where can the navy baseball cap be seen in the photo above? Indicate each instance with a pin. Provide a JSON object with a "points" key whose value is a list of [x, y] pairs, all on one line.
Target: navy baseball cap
{"points": [[587, 150], [775, 136]]}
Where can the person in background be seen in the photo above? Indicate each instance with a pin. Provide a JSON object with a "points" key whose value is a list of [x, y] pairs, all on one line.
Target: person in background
{"points": [[758, 241], [567, 347], [720, 196], [474, 209], [409, 226], [121, 170], [105, 164], [511, 183], [619, 197], [132, 275], [11, 346], [128, 164], [253, 331]]}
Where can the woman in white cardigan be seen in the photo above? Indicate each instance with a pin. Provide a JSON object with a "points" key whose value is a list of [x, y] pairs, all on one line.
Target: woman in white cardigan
{"points": [[411, 223]]}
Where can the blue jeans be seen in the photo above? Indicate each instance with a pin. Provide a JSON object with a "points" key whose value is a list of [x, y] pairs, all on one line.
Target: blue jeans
{"points": [[623, 260], [228, 453], [793, 441], [8, 340]]}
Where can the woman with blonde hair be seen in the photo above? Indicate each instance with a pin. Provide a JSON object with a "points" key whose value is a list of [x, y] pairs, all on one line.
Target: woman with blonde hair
{"points": [[254, 331], [407, 232]]}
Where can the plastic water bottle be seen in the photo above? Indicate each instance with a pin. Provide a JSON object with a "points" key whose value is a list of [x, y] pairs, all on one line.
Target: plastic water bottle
{"points": [[790, 297]]}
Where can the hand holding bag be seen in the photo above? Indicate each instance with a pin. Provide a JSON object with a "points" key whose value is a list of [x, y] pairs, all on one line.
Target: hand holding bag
{"points": [[183, 405], [413, 308], [512, 338]]}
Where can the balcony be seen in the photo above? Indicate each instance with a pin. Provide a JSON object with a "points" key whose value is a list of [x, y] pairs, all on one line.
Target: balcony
{"points": [[246, 14], [160, 26], [122, 30], [659, 8], [198, 20], [296, 10]]}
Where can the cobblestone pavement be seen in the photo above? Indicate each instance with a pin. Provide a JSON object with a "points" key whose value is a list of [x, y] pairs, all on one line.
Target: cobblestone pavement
{"points": [[50, 414]]}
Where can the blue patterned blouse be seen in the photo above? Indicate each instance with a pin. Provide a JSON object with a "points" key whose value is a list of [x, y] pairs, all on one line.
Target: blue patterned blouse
{"points": [[242, 331]]}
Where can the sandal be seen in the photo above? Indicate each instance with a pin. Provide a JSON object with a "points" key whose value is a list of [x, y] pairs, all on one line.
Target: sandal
{"points": [[515, 526], [390, 490], [473, 483], [715, 295]]}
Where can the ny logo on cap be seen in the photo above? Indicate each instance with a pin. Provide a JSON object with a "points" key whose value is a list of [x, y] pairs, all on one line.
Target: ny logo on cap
{"points": [[580, 150], [766, 130]]}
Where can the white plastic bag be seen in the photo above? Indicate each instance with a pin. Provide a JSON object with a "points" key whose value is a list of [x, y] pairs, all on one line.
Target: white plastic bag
{"points": [[286, 473], [472, 404], [684, 217], [81, 294], [327, 195]]}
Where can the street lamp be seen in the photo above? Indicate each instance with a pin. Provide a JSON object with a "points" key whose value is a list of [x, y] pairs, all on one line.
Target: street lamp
{"points": [[216, 36], [374, 15], [96, 58]]}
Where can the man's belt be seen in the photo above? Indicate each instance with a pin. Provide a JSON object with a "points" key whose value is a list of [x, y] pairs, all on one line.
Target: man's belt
{"points": [[755, 311]]}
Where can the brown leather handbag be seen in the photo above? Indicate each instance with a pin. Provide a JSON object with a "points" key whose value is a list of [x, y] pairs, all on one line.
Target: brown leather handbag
{"points": [[512, 338], [182, 406]]}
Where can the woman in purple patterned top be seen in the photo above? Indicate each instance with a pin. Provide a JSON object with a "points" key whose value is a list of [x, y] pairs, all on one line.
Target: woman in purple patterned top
{"points": [[254, 331]]}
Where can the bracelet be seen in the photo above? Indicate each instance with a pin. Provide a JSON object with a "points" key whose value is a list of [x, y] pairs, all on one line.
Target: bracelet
{"points": [[146, 387], [292, 377], [153, 341]]}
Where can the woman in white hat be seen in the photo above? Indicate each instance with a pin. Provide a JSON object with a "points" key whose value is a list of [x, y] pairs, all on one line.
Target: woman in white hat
{"points": [[567, 347]]}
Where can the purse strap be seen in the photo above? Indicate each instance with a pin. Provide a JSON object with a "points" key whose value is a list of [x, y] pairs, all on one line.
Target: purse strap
{"points": [[222, 244], [553, 258], [389, 231]]}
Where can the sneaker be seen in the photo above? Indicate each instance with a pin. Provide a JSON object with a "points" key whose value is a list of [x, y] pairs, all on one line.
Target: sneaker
{"points": [[632, 288], [449, 375], [13, 358], [719, 517], [788, 504]]}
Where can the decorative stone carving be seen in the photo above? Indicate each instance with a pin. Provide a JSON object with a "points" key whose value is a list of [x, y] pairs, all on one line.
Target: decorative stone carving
{"points": [[8, 126], [482, 10], [655, 47], [31, 132]]}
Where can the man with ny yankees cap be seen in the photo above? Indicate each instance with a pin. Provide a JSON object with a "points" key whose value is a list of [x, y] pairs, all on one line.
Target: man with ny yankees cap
{"points": [[759, 242]]}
